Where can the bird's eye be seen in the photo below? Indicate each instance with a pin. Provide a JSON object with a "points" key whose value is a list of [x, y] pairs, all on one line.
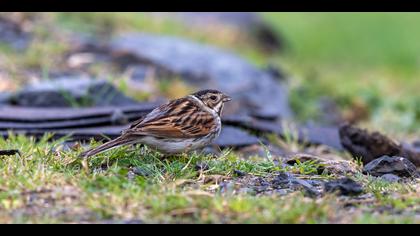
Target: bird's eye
{"points": [[213, 97]]}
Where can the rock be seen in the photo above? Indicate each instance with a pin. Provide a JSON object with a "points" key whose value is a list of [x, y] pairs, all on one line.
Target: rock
{"points": [[4, 98], [13, 35], [369, 146], [234, 137], [344, 186], [309, 134], [329, 166], [391, 165], [9, 152], [239, 173], [249, 24], [390, 178], [287, 180], [254, 91], [71, 91], [360, 143]]}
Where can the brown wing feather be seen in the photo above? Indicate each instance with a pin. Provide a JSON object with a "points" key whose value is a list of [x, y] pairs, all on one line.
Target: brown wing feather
{"points": [[181, 118]]}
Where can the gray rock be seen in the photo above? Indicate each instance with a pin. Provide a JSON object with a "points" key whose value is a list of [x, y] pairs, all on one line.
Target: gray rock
{"points": [[12, 34], [390, 178], [344, 186], [4, 98], [416, 145], [253, 90], [287, 180], [391, 165], [71, 91], [234, 137]]}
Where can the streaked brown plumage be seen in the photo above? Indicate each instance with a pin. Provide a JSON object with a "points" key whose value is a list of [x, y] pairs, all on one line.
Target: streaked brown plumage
{"points": [[179, 126]]}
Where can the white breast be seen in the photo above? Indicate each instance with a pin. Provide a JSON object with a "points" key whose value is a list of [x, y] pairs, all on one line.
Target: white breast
{"points": [[172, 146]]}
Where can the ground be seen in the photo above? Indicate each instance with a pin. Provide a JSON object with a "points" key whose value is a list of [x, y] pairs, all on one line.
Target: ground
{"points": [[364, 62]]}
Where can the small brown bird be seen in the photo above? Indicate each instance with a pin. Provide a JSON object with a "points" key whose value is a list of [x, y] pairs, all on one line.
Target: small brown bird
{"points": [[181, 125]]}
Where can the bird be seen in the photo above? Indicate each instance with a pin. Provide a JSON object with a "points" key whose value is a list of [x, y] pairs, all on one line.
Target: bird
{"points": [[179, 126]]}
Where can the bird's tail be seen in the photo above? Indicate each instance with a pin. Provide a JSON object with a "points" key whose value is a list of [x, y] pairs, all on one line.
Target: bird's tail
{"points": [[123, 140]]}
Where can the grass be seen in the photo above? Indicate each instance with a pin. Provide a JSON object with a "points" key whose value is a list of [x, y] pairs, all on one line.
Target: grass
{"points": [[48, 184]]}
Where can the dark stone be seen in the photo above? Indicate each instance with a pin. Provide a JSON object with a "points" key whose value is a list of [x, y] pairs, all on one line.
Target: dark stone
{"points": [[71, 91], [391, 165], [390, 178], [287, 180], [12, 34], [234, 137], [9, 152], [253, 90], [344, 186], [360, 143], [239, 173], [249, 23]]}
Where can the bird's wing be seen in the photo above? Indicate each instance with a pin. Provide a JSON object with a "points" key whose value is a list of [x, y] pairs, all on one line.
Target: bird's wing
{"points": [[180, 118]]}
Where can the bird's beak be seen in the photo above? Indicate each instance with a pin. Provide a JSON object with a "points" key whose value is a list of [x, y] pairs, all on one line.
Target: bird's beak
{"points": [[226, 98]]}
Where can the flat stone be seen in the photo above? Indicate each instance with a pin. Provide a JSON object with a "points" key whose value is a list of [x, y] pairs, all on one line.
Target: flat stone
{"points": [[344, 186], [4, 98], [391, 165], [254, 91], [390, 178], [71, 91], [287, 180], [234, 137], [316, 135]]}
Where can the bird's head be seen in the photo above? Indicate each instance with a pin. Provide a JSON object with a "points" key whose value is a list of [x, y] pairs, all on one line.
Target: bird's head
{"points": [[213, 99]]}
